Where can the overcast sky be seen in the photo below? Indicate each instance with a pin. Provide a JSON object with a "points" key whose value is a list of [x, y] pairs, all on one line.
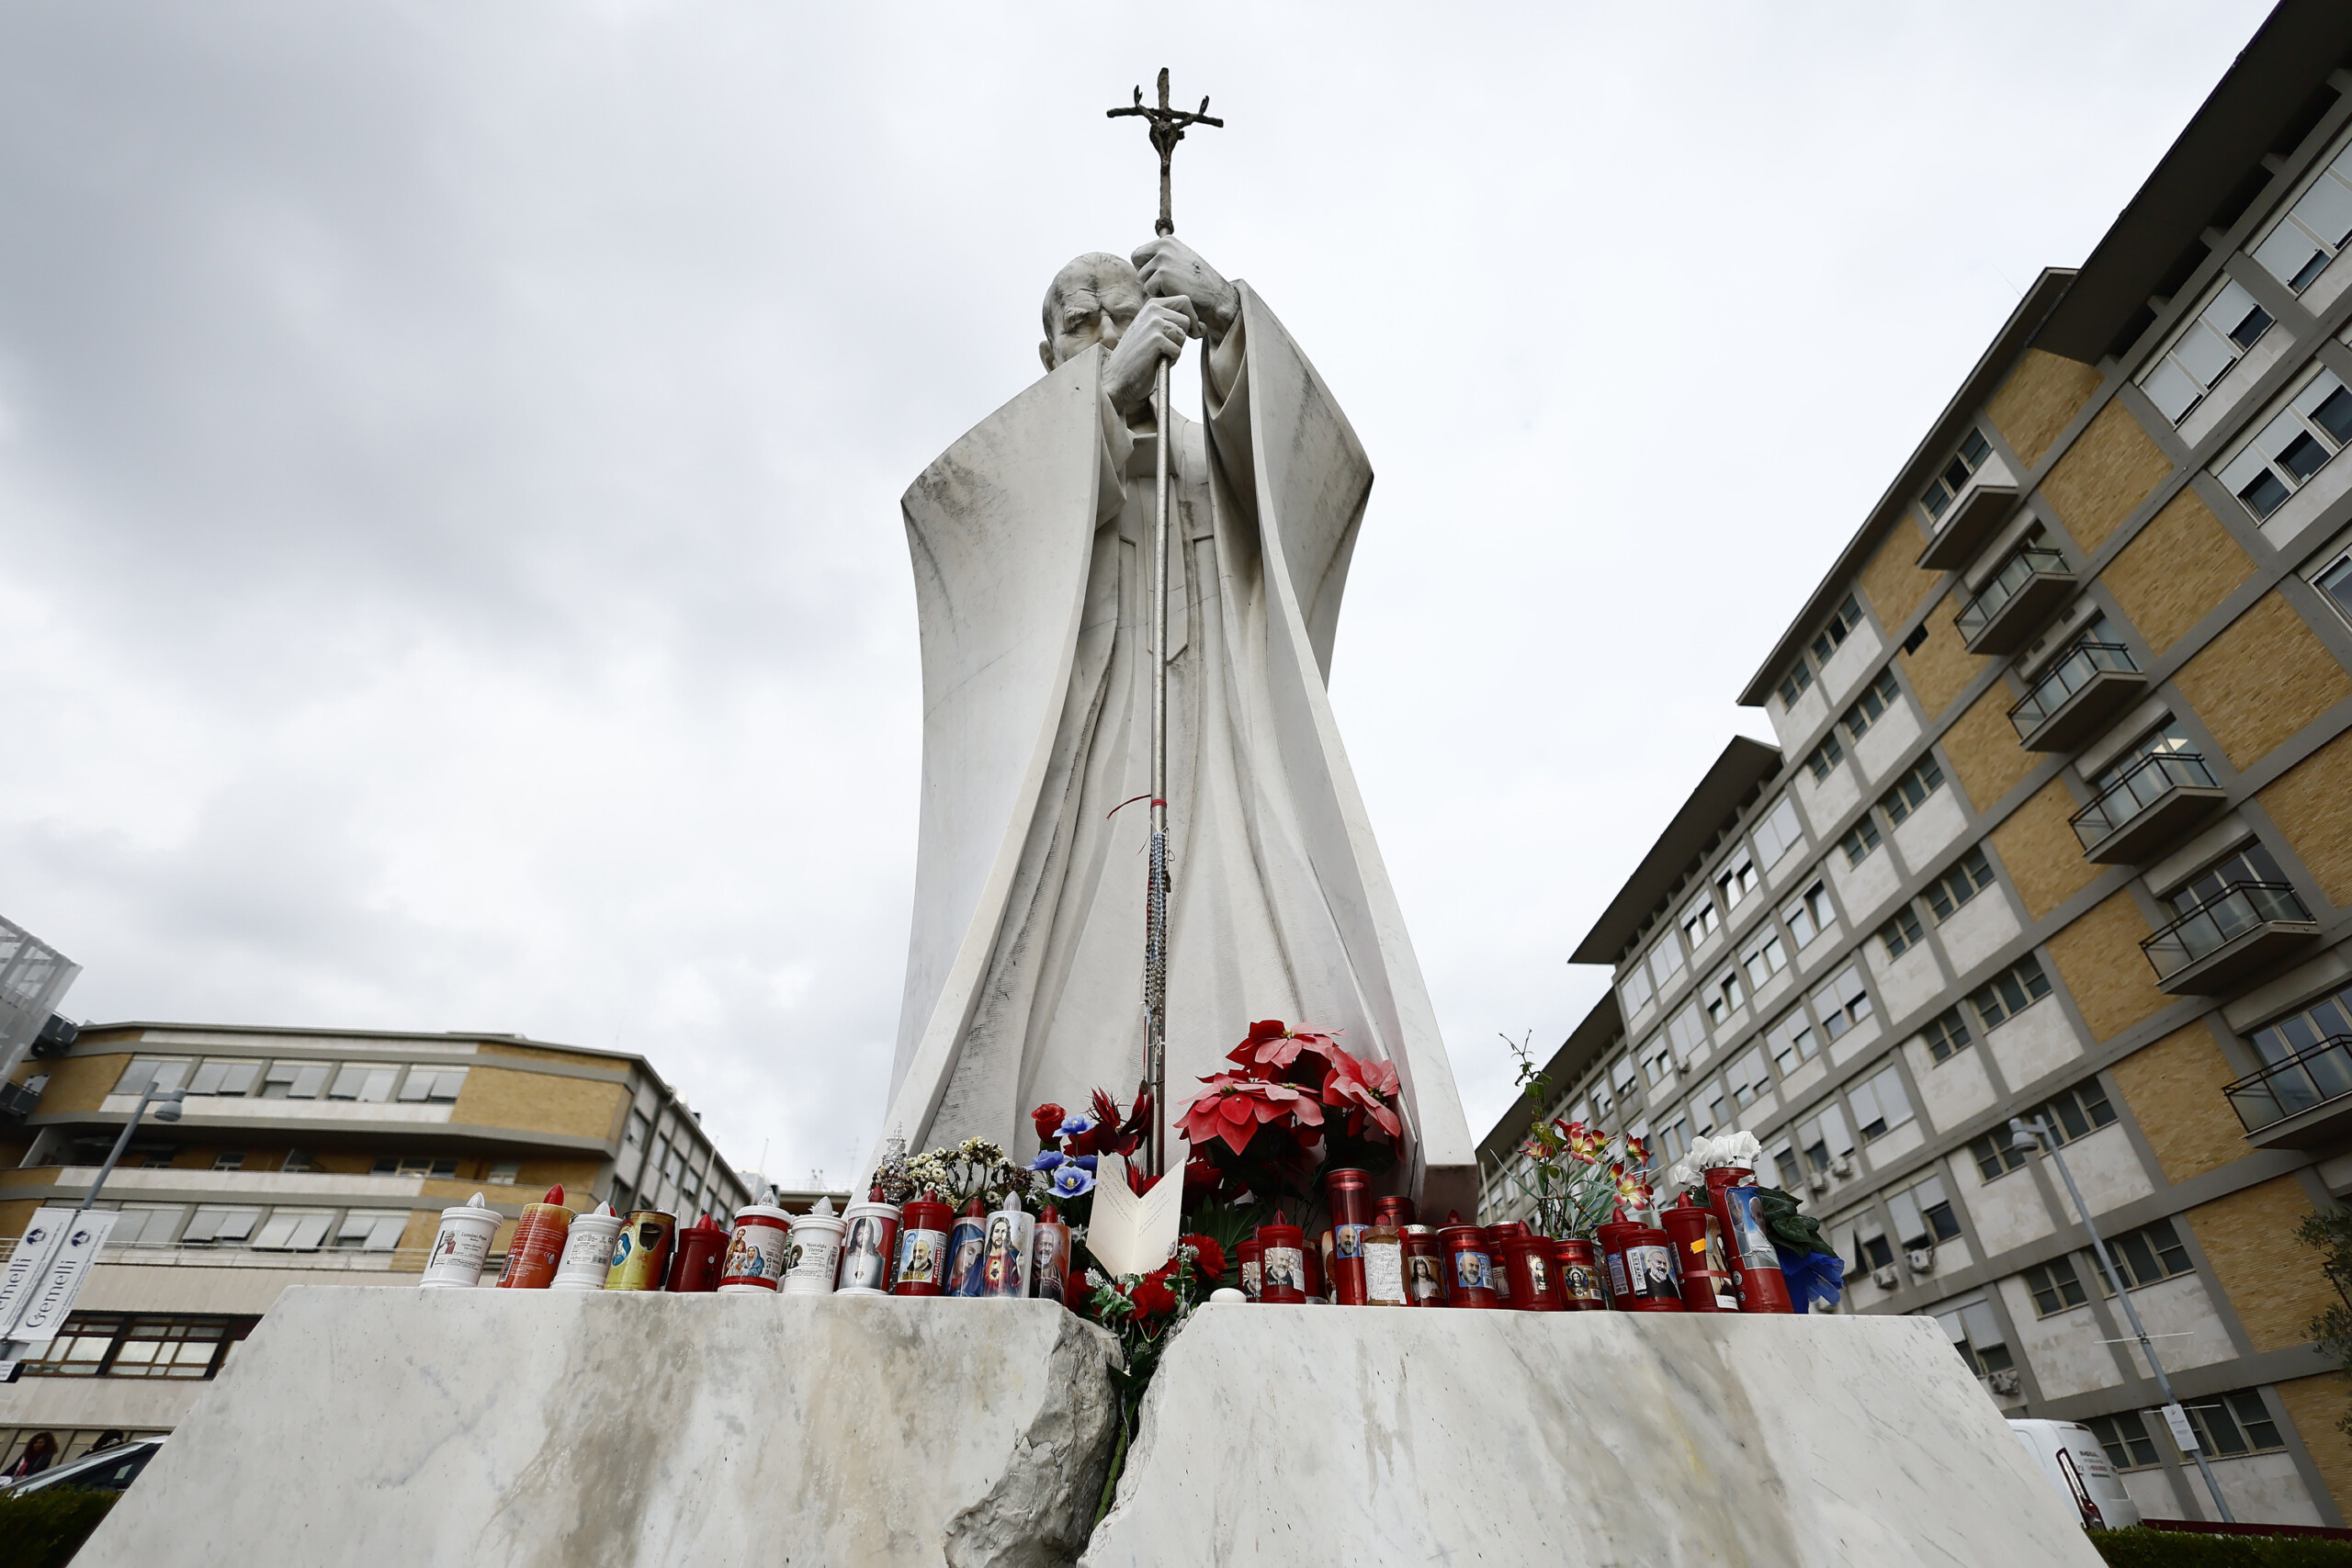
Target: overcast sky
{"points": [[450, 566]]}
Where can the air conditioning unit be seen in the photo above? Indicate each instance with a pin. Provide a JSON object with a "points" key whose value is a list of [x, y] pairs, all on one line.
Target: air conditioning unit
{"points": [[1843, 1164], [1819, 1182], [1884, 1277], [2004, 1383], [1922, 1259]]}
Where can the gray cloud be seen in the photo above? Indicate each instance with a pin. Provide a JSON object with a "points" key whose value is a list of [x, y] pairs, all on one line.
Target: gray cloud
{"points": [[448, 457]]}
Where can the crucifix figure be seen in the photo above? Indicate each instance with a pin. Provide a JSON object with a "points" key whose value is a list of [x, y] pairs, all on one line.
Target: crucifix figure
{"points": [[1119, 603], [1167, 129]]}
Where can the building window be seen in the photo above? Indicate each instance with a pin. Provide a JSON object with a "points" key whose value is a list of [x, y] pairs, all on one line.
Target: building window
{"points": [[1956, 474], [1872, 1248], [371, 1230], [1871, 706], [1841, 1002], [226, 1079], [638, 1127], [1841, 626], [1794, 683], [1911, 791], [1674, 1138], [2074, 1113], [1737, 880], [2313, 231], [2335, 582], [2250, 865], [1822, 1139], [2294, 445], [1860, 840], [1699, 920], [1825, 757], [437, 1085], [2168, 739], [219, 1225], [1880, 1105], [1724, 998], [1958, 885], [1657, 1062], [1902, 933], [506, 1173], [2147, 1255], [1923, 1215], [1791, 1040], [364, 1081], [145, 1225], [1765, 958], [2205, 351], [163, 1073], [297, 1161], [293, 1230], [442, 1165], [2326, 1022], [228, 1160], [1621, 1074], [140, 1345], [1810, 915], [1975, 1333], [2125, 1437], [1777, 832], [1633, 990], [2056, 1288], [2010, 992], [1748, 1077], [295, 1080], [2232, 1425], [1666, 961], [1945, 1035]]}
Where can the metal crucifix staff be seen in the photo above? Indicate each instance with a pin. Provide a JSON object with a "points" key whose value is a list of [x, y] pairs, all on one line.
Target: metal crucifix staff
{"points": [[1168, 127]]}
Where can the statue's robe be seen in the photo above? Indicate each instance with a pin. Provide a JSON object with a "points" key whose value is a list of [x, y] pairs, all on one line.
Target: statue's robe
{"points": [[1031, 544]]}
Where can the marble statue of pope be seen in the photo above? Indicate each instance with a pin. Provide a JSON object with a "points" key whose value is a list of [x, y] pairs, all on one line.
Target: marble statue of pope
{"points": [[1032, 545]]}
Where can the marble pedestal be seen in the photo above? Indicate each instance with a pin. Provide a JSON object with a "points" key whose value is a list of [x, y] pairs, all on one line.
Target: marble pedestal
{"points": [[1329, 1436], [511, 1427]]}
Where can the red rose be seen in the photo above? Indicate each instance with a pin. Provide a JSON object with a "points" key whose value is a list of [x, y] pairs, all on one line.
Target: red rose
{"points": [[1048, 1120], [1211, 1263], [1153, 1298]]}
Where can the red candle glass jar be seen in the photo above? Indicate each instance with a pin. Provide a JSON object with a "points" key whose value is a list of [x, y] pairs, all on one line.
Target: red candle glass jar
{"points": [[922, 1265], [1396, 1209], [701, 1247], [1698, 1239], [1534, 1287], [1348, 1193], [1252, 1254], [1578, 1264], [1755, 1266], [1641, 1268], [1424, 1268], [1282, 1265], [1469, 1273], [1498, 1235]]}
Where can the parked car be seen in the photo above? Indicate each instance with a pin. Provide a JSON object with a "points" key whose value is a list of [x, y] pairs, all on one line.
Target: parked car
{"points": [[107, 1469], [2070, 1458]]}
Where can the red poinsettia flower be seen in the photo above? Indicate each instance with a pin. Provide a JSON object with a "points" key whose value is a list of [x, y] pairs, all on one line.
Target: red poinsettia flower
{"points": [[1211, 1262], [1365, 1098], [1048, 1119], [1234, 1108], [1277, 1053]]}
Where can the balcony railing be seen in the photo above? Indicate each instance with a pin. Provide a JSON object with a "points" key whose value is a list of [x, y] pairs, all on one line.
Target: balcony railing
{"points": [[2029, 577], [2227, 934], [2171, 784], [2086, 667], [2309, 1079]]}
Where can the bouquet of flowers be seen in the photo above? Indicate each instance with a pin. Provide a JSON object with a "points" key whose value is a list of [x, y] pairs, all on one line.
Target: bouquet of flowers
{"points": [[1573, 1184], [1733, 1148], [1296, 1100], [1073, 1145], [973, 1168], [1144, 1311]]}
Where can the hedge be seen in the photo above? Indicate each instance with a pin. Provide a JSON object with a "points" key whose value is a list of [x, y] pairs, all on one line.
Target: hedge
{"points": [[2183, 1548], [45, 1529]]}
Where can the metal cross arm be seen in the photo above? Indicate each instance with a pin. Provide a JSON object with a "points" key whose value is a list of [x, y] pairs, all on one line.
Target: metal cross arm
{"points": [[1168, 126]]}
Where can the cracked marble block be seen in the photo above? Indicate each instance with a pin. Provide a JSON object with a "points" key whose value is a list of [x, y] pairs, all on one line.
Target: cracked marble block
{"points": [[1303, 1434], [522, 1429]]}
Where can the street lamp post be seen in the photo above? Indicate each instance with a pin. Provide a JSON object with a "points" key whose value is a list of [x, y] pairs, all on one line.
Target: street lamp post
{"points": [[2025, 1136], [167, 1108]]}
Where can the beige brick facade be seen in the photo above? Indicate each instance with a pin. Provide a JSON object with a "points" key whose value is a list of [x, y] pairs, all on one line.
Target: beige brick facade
{"points": [[541, 1103], [2175, 569], [2315, 1406], [2273, 1280], [2104, 475], [2174, 1088], [2038, 850], [2041, 395], [1943, 667], [2264, 678], [1892, 581], [1982, 746], [2098, 956], [2312, 802]]}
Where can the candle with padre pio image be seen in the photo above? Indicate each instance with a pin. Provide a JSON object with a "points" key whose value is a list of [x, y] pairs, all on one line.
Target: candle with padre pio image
{"points": [[923, 1248], [1049, 1257], [1004, 1255], [536, 1246], [866, 1245], [587, 1251]]}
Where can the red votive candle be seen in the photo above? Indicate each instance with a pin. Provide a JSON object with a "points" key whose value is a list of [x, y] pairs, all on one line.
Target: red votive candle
{"points": [[1580, 1268], [1469, 1273], [1698, 1240], [1349, 1195], [1282, 1265], [1534, 1287]]}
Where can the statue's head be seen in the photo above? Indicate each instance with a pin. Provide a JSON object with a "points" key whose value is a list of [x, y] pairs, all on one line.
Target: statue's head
{"points": [[1091, 301]]}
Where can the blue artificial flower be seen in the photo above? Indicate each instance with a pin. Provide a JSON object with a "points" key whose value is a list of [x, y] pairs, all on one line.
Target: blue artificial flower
{"points": [[1047, 1159], [1077, 1124], [1087, 1160], [1072, 1181]]}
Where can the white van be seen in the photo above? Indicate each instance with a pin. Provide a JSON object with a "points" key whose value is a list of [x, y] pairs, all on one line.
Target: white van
{"points": [[2066, 1453]]}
